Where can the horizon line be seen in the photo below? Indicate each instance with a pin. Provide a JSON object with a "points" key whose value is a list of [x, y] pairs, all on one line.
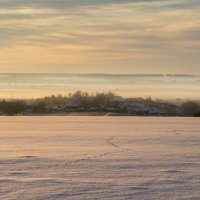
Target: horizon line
{"points": [[106, 74]]}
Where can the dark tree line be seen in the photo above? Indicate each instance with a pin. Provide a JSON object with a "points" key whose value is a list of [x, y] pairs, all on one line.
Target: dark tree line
{"points": [[83, 99], [190, 108], [12, 107], [19, 107], [86, 101]]}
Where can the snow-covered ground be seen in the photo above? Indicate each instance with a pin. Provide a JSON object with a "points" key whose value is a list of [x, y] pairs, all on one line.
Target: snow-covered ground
{"points": [[99, 158]]}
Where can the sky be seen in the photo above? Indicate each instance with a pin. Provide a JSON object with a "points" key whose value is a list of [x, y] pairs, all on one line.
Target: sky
{"points": [[100, 36]]}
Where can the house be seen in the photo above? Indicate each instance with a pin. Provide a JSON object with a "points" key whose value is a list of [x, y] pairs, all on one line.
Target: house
{"points": [[156, 111], [118, 99]]}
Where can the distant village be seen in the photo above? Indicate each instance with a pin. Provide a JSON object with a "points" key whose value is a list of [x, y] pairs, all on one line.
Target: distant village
{"points": [[105, 103]]}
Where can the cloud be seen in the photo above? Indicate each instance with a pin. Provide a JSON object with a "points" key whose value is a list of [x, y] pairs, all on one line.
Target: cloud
{"points": [[62, 3], [104, 29], [76, 4]]}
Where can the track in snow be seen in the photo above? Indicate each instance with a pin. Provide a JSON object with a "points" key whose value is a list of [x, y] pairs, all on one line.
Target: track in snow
{"points": [[110, 142]]}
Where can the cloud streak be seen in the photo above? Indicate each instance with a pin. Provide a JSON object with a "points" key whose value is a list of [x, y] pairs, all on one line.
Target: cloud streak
{"points": [[107, 32]]}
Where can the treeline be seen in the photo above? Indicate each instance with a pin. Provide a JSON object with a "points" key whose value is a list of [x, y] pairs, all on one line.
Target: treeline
{"points": [[20, 107], [84, 101], [12, 107], [191, 108]]}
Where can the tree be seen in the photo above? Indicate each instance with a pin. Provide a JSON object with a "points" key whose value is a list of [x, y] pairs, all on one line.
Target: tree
{"points": [[12, 107], [39, 107], [197, 114], [81, 98], [190, 108], [103, 98]]}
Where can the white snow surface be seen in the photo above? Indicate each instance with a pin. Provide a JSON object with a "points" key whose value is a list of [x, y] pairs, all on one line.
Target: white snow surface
{"points": [[83, 158]]}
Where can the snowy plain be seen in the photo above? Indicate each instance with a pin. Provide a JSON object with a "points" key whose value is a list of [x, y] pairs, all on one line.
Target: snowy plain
{"points": [[81, 158]]}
